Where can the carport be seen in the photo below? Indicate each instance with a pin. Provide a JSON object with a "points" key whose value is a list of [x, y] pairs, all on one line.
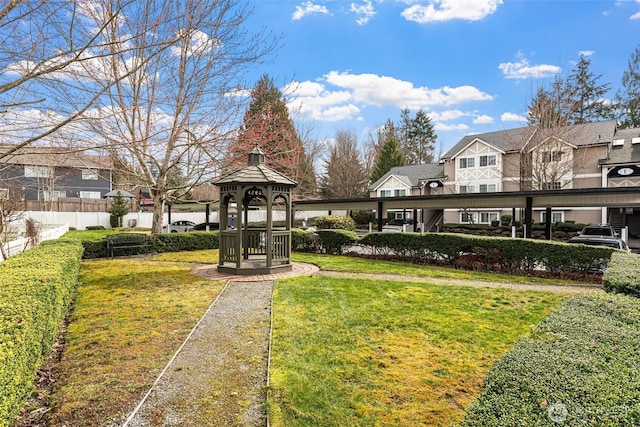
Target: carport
{"points": [[619, 197]]}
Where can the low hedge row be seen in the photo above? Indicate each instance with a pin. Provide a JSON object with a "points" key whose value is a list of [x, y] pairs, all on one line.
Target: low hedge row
{"points": [[623, 274], [480, 252], [165, 242], [36, 288], [579, 367]]}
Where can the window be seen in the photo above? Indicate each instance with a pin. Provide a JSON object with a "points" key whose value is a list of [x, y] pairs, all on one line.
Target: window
{"points": [[551, 156], [467, 162], [31, 171], [467, 189], [551, 185], [91, 174], [467, 218], [487, 217], [488, 160], [393, 193], [487, 188], [555, 217], [89, 194], [52, 196]]}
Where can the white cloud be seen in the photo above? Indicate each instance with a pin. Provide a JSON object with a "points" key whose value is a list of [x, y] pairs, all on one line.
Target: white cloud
{"points": [[483, 120], [363, 12], [388, 91], [512, 117], [445, 116], [443, 127], [635, 16], [308, 8], [342, 96], [586, 52], [521, 69], [198, 43], [446, 10]]}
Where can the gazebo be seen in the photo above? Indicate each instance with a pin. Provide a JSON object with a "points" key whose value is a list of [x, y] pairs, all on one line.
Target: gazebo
{"points": [[246, 250]]}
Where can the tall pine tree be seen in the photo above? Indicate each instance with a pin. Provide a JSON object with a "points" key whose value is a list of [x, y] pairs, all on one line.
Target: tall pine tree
{"points": [[629, 99], [417, 137], [389, 155], [588, 95], [267, 123]]}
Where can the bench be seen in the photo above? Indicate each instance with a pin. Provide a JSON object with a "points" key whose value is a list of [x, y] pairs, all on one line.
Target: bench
{"points": [[128, 241]]}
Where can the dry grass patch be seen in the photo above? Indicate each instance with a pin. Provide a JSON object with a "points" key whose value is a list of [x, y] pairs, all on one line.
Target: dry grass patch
{"points": [[130, 316]]}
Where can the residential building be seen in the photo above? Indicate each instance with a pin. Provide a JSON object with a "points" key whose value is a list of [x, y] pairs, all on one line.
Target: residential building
{"points": [[49, 177], [592, 155], [413, 180]]}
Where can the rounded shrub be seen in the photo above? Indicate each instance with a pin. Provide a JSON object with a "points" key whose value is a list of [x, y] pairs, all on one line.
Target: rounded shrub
{"points": [[335, 222]]}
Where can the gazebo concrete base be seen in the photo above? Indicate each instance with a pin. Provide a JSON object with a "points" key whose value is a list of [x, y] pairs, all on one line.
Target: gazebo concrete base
{"points": [[253, 267]]}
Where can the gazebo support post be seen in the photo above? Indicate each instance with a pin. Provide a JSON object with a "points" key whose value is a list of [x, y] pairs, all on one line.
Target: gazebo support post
{"points": [[269, 237]]}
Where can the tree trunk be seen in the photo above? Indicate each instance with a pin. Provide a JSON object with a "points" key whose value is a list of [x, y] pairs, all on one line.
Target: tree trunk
{"points": [[158, 211]]}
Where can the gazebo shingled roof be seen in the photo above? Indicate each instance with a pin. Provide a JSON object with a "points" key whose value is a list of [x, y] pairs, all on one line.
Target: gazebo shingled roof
{"points": [[256, 172]]}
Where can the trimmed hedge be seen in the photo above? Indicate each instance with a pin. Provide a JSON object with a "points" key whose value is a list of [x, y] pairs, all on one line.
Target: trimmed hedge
{"points": [[490, 253], [304, 241], [579, 367], [36, 288], [192, 241], [165, 242], [623, 274], [334, 241]]}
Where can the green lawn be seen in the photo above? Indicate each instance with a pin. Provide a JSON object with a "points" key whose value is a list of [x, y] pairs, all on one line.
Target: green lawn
{"points": [[355, 352], [365, 265]]}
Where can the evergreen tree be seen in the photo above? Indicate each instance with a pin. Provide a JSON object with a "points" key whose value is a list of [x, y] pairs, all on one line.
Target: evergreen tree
{"points": [[119, 208], [345, 176], [390, 154], [268, 124], [417, 137], [629, 99], [588, 96]]}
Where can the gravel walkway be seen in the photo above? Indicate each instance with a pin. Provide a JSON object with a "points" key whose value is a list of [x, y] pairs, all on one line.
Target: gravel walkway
{"points": [[218, 377]]}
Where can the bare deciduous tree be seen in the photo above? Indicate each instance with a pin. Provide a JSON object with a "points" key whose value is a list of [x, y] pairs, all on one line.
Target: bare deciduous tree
{"points": [[345, 175], [175, 104], [48, 50]]}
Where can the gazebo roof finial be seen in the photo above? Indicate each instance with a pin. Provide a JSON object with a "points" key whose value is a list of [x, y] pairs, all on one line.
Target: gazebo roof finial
{"points": [[256, 156]]}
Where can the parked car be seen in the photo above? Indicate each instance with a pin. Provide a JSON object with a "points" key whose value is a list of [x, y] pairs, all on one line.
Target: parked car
{"points": [[609, 241], [598, 230], [398, 226], [213, 226], [178, 226]]}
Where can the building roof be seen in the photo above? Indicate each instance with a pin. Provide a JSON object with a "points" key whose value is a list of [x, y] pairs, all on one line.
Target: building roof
{"points": [[54, 156], [412, 175], [626, 152], [511, 140]]}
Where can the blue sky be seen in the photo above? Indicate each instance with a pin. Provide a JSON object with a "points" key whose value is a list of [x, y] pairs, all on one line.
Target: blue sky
{"points": [[472, 65]]}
